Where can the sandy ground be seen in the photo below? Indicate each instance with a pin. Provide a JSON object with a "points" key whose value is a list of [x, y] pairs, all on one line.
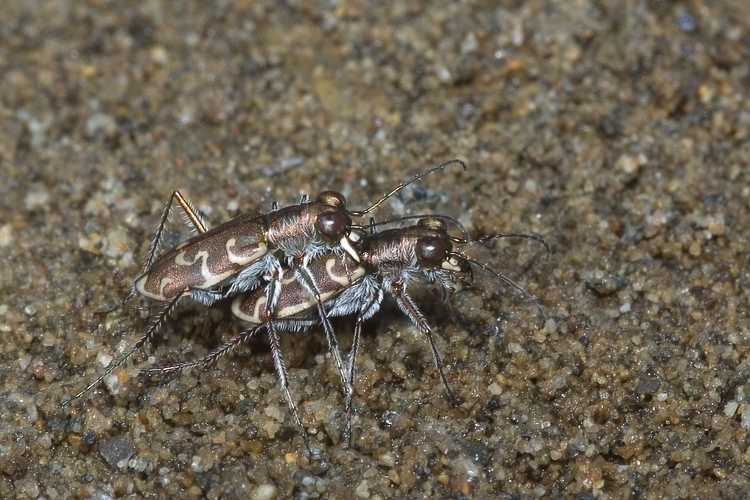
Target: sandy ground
{"points": [[617, 131]]}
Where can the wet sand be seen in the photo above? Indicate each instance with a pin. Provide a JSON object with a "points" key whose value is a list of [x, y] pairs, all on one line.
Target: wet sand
{"points": [[619, 133]]}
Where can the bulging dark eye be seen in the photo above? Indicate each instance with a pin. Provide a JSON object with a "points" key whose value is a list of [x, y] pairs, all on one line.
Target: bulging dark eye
{"points": [[331, 199], [331, 223], [431, 249]]}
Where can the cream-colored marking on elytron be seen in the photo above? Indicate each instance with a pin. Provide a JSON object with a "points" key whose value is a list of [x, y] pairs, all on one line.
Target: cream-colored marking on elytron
{"points": [[286, 281], [209, 278], [162, 285], [255, 317], [242, 260], [306, 305], [299, 307], [348, 248], [347, 279], [451, 265], [140, 286]]}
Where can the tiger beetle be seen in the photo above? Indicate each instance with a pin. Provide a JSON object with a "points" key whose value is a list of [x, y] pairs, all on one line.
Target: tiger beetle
{"points": [[239, 255], [390, 260], [338, 277]]}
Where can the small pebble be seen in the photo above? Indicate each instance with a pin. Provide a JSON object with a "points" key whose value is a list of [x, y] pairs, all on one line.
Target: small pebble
{"points": [[266, 491], [117, 450]]}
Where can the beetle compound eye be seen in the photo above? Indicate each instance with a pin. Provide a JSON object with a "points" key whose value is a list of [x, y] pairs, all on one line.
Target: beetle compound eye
{"points": [[331, 199], [431, 249], [331, 224]]}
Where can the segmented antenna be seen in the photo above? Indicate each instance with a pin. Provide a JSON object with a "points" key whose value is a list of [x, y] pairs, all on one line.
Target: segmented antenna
{"points": [[404, 184]]}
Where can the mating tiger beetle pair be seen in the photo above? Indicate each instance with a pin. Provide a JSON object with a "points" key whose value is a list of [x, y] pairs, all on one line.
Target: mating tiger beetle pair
{"points": [[298, 266]]}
